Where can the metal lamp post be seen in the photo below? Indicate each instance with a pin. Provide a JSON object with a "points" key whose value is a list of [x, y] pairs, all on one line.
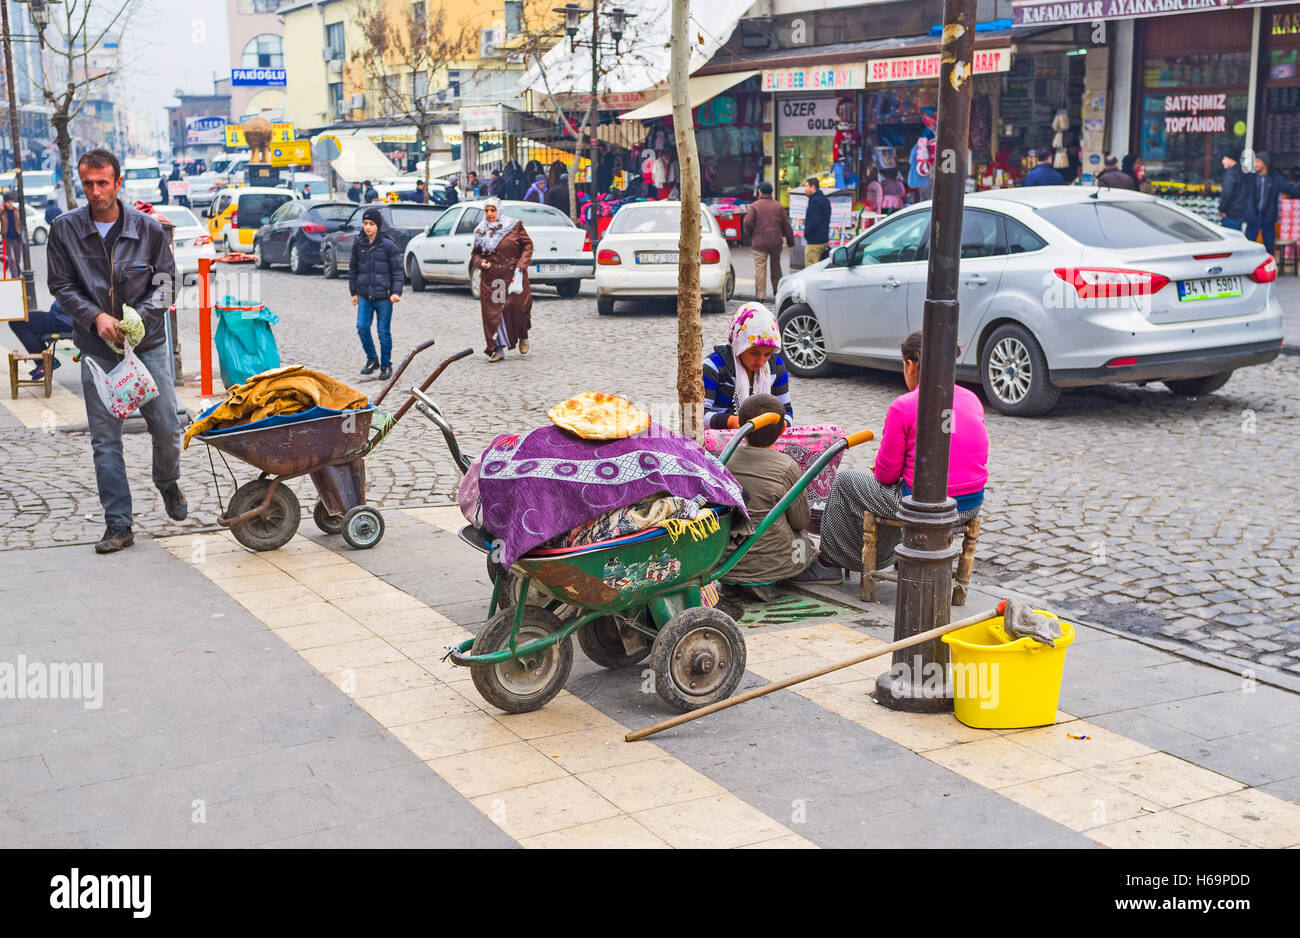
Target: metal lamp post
{"points": [[618, 25], [918, 680], [40, 19]]}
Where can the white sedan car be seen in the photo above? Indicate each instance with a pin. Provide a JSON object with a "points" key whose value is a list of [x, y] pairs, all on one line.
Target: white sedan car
{"points": [[190, 239], [561, 250], [638, 256]]}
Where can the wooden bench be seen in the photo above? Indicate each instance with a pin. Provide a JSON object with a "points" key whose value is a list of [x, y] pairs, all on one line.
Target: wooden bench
{"points": [[970, 535], [45, 356]]}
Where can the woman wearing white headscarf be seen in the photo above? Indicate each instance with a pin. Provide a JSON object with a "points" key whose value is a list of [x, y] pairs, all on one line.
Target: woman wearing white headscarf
{"points": [[502, 251], [748, 364]]}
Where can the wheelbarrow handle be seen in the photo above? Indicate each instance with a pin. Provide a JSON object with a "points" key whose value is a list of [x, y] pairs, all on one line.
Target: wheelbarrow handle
{"points": [[401, 411], [400, 368], [762, 420]]}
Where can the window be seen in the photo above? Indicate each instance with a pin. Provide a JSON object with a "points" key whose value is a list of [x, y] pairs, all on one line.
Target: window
{"points": [[336, 100], [409, 216], [546, 217], [514, 17], [419, 86], [333, 212], [334, 40], [418, 14], [469, 221], [1120, 225], [257, 6], [284, 213], [443, 225], [256, 208], [980, 236], [658, 219], [896, 241], [1020, 240], [264, 51]]}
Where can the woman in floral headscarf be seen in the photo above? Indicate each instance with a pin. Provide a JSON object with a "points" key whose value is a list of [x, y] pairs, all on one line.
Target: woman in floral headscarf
{"points": [[748, 364], [502, 250]]}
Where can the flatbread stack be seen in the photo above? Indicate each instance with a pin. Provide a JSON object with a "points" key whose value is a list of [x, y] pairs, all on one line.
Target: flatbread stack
{"points": [[596, 416]]}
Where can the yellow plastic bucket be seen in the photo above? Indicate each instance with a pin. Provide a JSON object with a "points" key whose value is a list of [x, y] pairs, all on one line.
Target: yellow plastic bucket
{"points": [[1000, 683]]}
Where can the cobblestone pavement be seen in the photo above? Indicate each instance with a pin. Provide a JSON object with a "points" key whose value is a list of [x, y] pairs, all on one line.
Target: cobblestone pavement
{"points": [[1156, 515]]}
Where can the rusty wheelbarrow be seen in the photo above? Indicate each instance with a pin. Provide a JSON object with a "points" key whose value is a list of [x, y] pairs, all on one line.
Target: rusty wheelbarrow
{"points": [[330, 446]]}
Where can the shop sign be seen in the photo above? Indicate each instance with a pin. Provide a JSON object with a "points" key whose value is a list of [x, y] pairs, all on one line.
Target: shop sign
{"points": [[914, 67], [259, 77], [480, 117], [205, 130], [815, 78], [807, 117], [1050, 12], [1183, 113], [1285, 24], [235, 135]]}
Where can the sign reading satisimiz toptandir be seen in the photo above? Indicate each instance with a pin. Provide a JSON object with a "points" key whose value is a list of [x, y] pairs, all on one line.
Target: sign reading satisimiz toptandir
{"points": [[262, 77]]}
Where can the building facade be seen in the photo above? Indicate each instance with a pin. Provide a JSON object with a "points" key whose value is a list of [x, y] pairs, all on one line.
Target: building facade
{"points": [[256, 52]]}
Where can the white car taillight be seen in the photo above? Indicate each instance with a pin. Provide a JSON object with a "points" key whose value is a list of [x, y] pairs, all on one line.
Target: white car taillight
{"points": [[1107, 282]]}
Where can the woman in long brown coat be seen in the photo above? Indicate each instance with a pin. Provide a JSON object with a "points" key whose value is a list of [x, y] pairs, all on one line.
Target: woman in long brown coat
{"points": [[502, 250]]}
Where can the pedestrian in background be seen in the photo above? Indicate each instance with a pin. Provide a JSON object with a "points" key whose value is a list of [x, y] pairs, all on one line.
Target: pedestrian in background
{"points": [[1234, 198], [355, 192], [501, 252], [767, 227], [371, 194], [497, 187], [816, 222], [421, 193], [1137, 170], [375, 278], [1269, 187], [1112, 177], [13, 235], [93, 291], [537, 191], [52, 211], [1043, 174], [557, 196]]}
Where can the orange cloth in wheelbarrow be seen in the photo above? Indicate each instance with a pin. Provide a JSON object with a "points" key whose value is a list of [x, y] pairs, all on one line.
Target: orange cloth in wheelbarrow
{"points": [[287, 390]]}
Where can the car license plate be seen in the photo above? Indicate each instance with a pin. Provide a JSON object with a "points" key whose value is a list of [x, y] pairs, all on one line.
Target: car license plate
{"points": [[552, 268], [656, 257], [1211, 288]]}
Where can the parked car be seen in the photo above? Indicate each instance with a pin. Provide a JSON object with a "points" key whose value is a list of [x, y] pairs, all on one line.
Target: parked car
{"points": [[561, 250], [38, 232], [1060, 287], [238, 212], [140, 180], [402, 221], [294, 234], [190, 238], [638, 256], [39, 187]]}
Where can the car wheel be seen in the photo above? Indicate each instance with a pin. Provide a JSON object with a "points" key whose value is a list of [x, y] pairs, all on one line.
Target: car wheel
{"points": [[328, 266], [568, 289], [413, 272], [475, 281], [38, 236], [605, 307], [715, 304], [1013, 370], [259, 260], [803, 347], [731, 283], [1197, 387], [297, 263]]}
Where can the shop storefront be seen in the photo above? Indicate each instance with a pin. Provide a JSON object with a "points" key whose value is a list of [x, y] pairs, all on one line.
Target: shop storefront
{"points": [[1280, 77]]}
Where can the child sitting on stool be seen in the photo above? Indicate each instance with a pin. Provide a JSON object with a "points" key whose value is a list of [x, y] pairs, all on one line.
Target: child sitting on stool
{"points": [[784, 552]]}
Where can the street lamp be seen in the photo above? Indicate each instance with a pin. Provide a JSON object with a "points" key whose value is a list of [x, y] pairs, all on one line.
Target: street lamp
{"points": [[618, 27], [40, 13]]}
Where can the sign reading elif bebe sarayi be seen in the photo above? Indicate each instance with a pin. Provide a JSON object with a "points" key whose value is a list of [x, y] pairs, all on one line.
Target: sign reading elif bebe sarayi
{"points": [[814, 78], [1183, 113]]}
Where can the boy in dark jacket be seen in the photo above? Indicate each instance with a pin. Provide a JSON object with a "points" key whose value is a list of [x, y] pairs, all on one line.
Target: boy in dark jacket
{"points": [[375, 278], [1234, 200]]}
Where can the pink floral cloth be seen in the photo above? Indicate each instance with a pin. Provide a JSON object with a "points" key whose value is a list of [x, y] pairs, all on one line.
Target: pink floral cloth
{"points": [[803, 445]]}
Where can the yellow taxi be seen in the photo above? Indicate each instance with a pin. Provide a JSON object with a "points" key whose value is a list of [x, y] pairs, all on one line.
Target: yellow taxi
{"points": [[238, 211]]}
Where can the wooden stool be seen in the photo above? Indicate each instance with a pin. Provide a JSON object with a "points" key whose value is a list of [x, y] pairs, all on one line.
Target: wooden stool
{"points": [[970, 535], [1287, 252], [45, 357]]}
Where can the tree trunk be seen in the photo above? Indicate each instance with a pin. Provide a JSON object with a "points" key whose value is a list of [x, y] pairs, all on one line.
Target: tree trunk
{"points": [[690, 337], [64, 142]]}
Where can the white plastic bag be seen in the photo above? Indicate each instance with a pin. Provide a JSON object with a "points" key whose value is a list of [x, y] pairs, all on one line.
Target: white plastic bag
{"points": [[516, 282], [127, 387]]}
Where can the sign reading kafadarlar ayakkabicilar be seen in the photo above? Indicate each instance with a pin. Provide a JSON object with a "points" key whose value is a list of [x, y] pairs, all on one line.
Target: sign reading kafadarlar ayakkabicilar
{"points": [[1048, 12]]}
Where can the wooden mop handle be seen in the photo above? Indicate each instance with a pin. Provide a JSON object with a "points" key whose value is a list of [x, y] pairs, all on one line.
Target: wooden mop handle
{"points": [[919, 638]]}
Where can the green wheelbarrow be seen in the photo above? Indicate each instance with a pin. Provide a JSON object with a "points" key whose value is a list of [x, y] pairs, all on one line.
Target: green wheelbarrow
{"points": [[624, 599]]}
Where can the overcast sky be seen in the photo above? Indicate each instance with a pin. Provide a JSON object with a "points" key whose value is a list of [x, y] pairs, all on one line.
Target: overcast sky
{"points": [[173, 44]]}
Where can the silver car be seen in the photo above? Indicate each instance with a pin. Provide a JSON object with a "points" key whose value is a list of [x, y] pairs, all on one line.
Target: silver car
{"points": [[1060, 286]]}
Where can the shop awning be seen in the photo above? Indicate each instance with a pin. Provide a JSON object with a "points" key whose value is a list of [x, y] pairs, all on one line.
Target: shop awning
{"points": [[643, 62], [358, 158], [701, 89]]}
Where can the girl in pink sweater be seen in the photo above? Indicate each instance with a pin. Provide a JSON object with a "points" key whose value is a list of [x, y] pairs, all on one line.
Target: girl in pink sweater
{"points": [[881, 490]]}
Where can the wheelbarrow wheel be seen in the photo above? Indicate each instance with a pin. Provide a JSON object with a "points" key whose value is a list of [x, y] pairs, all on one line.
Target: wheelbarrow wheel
{"points": [[521, 685], [328, 523], [362, 527], [273, 528], [698, 658], [601, 641]]}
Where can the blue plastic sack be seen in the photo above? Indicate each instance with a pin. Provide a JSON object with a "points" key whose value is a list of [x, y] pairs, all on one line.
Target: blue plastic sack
{"points": [[245, 343]]}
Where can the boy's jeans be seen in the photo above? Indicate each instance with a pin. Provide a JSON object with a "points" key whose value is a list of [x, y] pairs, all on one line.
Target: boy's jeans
{"points": [[106, 434], [382, 310]]}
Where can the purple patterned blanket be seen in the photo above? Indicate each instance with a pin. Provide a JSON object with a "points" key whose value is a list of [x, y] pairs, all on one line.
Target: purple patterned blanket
{"points": [[546, 482]]}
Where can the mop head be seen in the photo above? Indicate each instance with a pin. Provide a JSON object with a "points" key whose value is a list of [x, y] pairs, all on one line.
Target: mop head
{"points": [[1021, 621]]}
